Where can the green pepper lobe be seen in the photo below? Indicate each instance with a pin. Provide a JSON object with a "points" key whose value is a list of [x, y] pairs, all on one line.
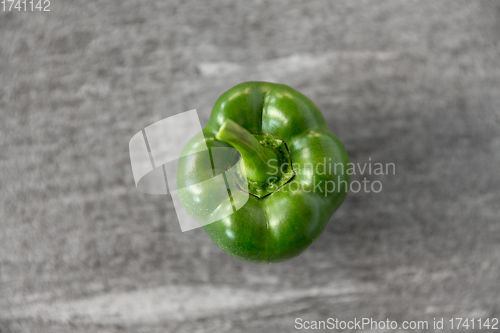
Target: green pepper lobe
{"points": [[295, 169]]}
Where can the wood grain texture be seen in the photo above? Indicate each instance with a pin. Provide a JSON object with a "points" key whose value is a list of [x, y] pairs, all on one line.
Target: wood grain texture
{"points": [[414, 83]]}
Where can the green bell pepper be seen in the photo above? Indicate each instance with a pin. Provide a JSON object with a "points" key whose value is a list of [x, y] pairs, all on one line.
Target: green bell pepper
{"points": [[295, 171]]}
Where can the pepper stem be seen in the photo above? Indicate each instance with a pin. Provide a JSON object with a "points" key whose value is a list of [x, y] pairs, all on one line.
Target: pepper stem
{"points": [[255, 156]]}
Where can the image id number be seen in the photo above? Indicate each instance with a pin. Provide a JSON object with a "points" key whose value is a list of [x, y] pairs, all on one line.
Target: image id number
{"points": [[25, 5]]}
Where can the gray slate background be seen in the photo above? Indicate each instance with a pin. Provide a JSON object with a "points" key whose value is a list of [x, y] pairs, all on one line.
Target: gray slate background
{"points": [[415, 83]]}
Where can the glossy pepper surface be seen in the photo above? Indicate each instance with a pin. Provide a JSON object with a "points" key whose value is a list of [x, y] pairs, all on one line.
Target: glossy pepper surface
{"points": [[295, 167]]}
